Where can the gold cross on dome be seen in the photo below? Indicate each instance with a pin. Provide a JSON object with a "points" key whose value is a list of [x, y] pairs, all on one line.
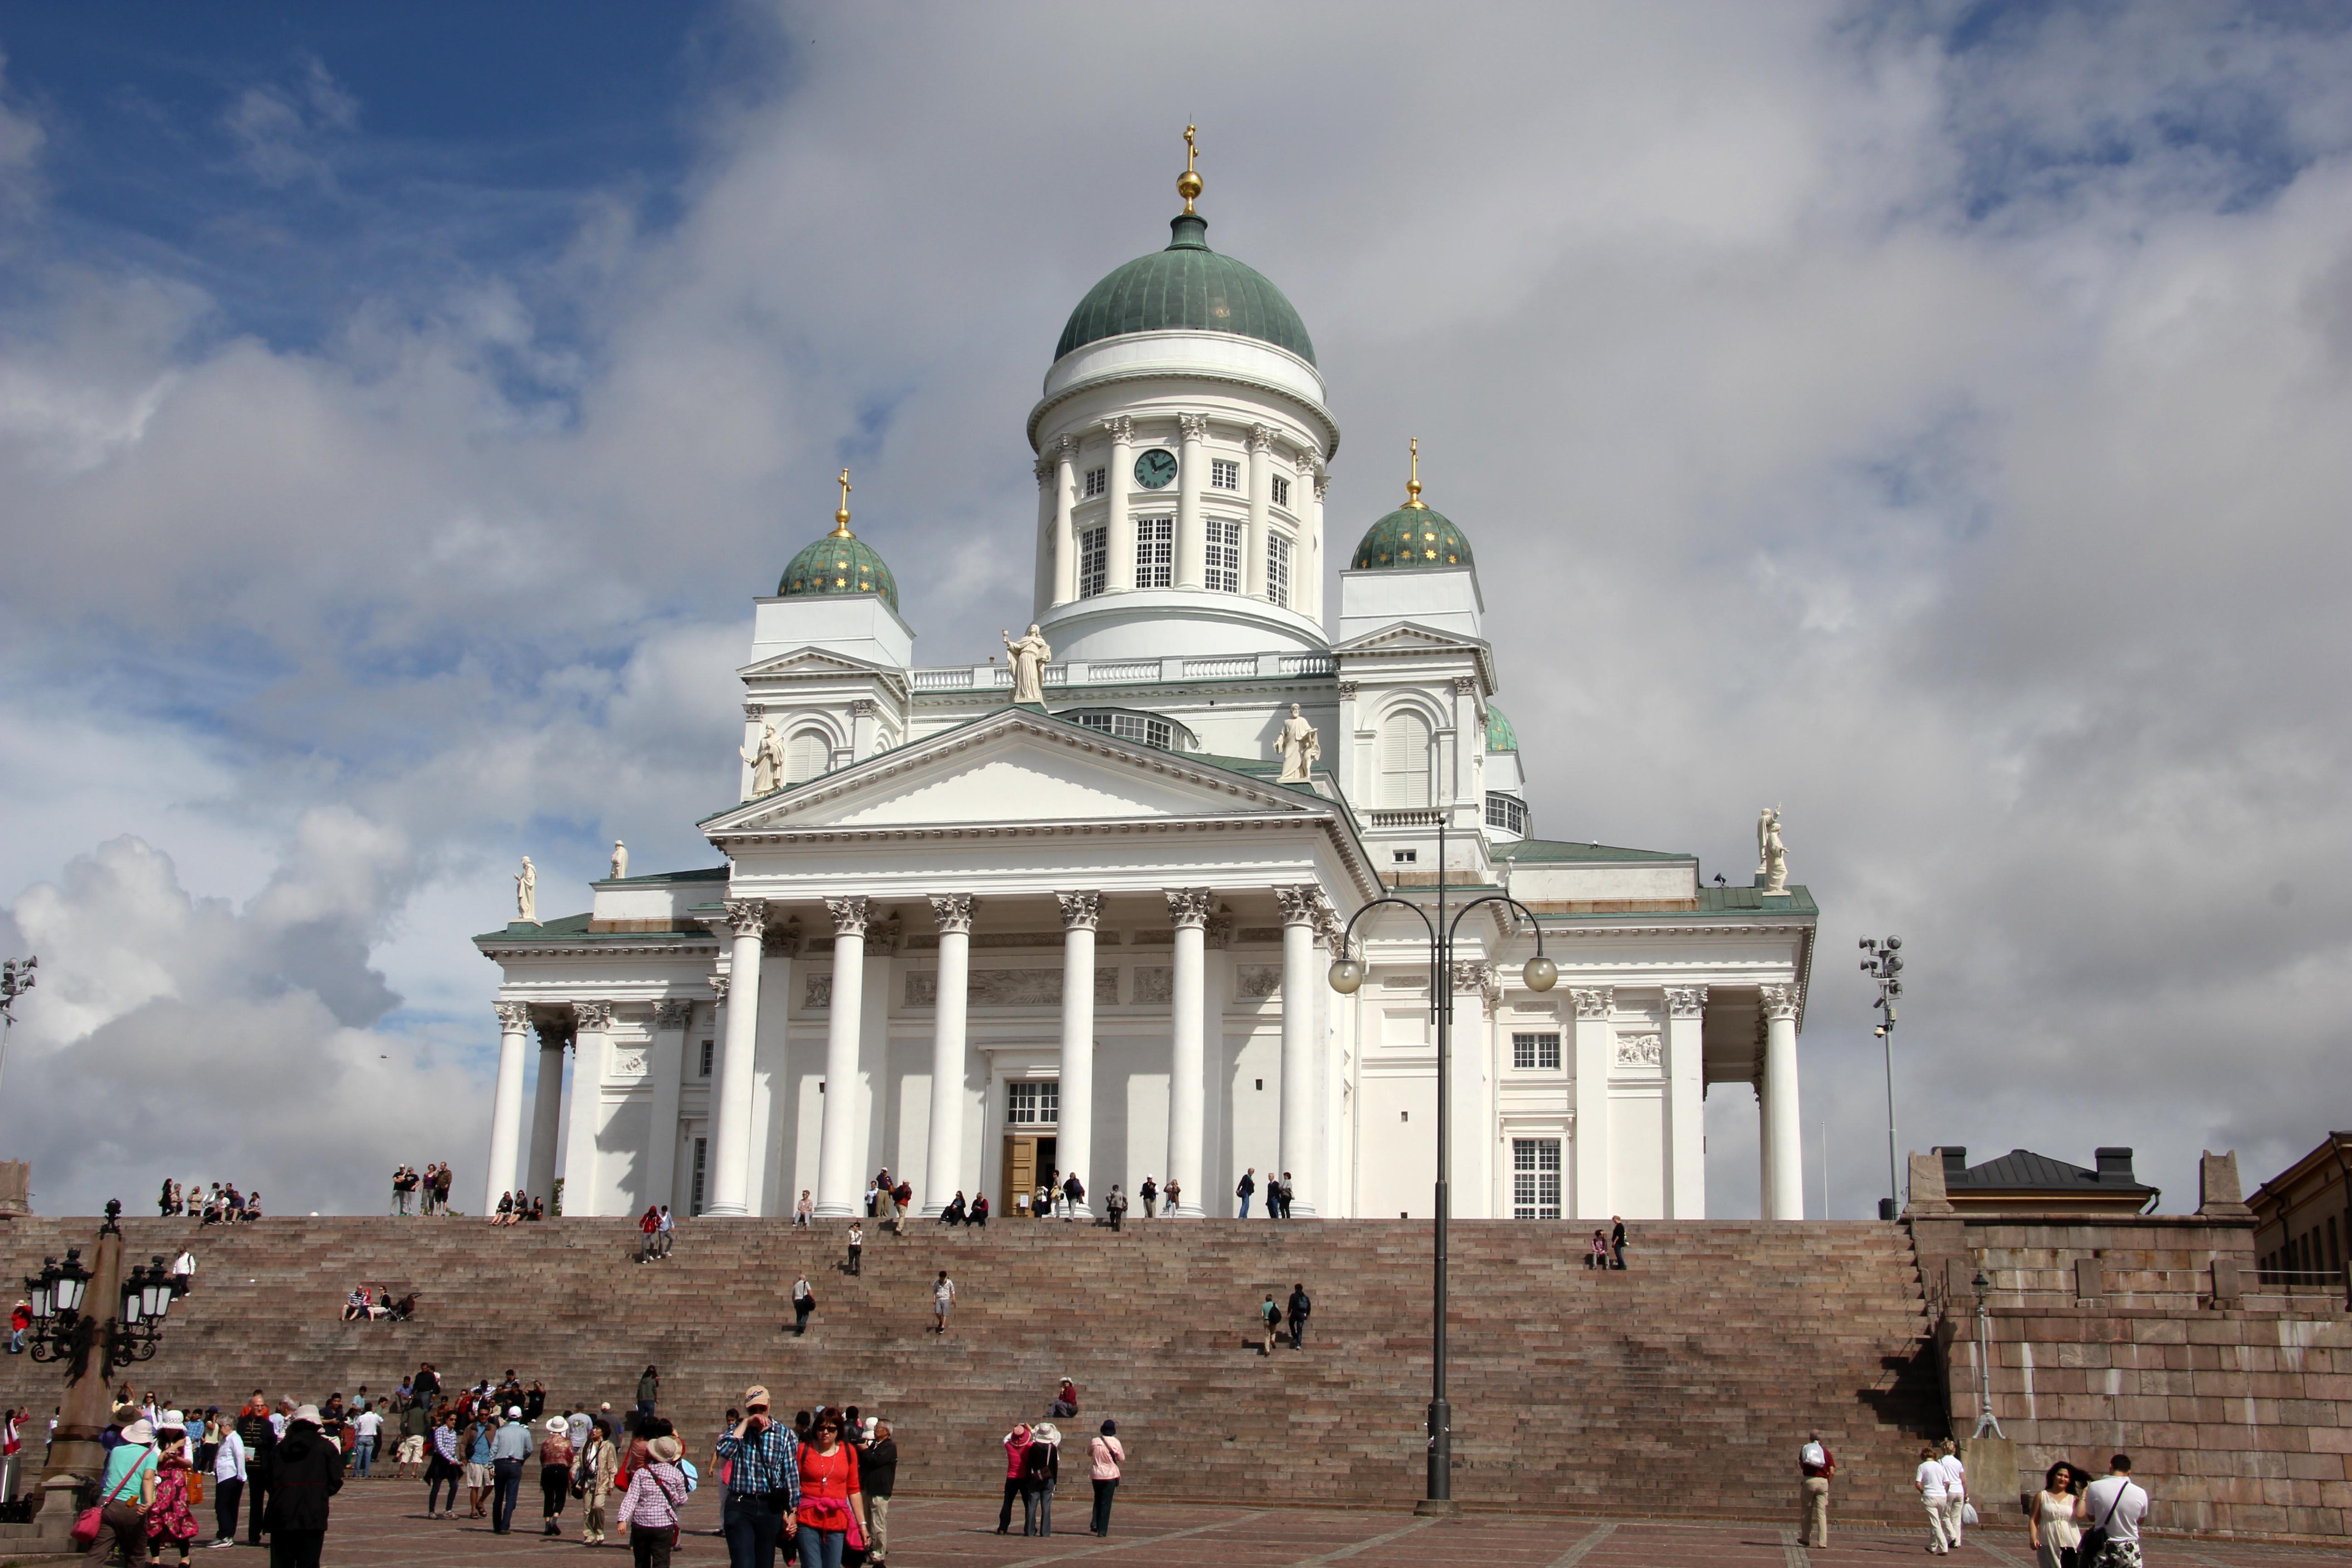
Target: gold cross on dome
{"points": [[841, 517]]}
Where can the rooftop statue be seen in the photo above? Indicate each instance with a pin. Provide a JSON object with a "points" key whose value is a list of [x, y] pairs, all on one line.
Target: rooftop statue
{"points": [[1028, 658], [1298, 747]]}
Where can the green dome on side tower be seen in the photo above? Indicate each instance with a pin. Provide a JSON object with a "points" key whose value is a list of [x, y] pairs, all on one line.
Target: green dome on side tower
{"points": [[840, 562], [1414, 535], [1500, 736]]}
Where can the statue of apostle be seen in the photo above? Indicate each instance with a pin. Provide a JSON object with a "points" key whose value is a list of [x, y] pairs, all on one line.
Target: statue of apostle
{"points": [[1298, 747], [620, 859], [527, 893], [767, 760], [1028, 658], [1771, 854]]}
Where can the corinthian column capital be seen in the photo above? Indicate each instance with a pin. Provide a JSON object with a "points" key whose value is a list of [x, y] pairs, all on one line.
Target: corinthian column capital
{"points": [[1782, 1002], [1685, 1001], [673, 1015], [1301, 905], [513, 1017], [1189, 906], [718, 988], [1195, 426], [849, 916], [953, 911], [1080, 911], [1594, 1002], [594, 1017], [746, 917]]}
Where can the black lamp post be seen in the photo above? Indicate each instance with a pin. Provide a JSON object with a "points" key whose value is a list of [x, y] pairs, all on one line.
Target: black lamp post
{"points": [[1884, 962], [1347, 978]]}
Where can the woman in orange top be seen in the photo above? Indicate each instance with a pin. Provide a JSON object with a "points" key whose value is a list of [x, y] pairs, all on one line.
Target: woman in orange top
{"points": [[830, 1499]]}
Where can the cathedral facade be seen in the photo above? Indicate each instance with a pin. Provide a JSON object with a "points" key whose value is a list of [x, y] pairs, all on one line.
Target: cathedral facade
{"points": [[1071, 907]]}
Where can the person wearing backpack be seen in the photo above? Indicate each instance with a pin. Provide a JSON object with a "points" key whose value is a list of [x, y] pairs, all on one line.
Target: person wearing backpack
{"points": [[1816, 1464], [1299, 1306], [1269, 1318], [2114, 1504]]}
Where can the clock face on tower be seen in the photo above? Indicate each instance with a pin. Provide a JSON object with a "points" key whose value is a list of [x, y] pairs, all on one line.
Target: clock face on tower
{"points": [[1155, 468]]}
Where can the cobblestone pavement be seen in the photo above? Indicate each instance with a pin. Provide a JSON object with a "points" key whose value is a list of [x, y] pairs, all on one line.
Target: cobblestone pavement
{"points": [[383, 1524]]}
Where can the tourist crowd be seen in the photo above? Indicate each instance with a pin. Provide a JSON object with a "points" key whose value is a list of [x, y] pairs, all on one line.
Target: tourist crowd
{"points": [[420, 1191], [223, 1204]]}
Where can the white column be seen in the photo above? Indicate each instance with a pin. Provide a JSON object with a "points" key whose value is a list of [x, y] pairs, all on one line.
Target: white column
{"points": [[943, 1170], [1192, 541], [1074, 1144], [1686, 1102], [1066, 550], [729, 1187], [838, 1191], [1788, 1142], [1764, 1204], [506, 1103], [877, 1139], [666, 1067], [1187, 1047], [1261, 490], [591, 1023], [547, 1107], [1119, 561], [1047, 544], [1595, 1055], [1314, 563], [1302, 910]]}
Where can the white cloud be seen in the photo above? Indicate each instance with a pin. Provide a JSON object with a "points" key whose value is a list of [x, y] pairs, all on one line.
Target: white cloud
{"points": [[1944, 443]]}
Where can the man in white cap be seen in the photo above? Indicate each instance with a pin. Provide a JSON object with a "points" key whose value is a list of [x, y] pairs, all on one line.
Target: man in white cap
{"points": [[510, 1447], [309, 1469]]}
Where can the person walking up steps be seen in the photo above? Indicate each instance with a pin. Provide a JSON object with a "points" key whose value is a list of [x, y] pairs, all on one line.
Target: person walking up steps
{"points": [[803, 1303], [943, 1293], [1269, 1316], [1299, 1308], [1816, 1465]]}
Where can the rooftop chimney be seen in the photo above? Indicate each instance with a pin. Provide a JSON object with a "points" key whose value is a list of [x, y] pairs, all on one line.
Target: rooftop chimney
{"points": [[2115, 1166]]}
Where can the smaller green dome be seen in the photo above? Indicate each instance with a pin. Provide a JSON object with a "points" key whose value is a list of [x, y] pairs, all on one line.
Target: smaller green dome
{"points": [[1412, 536], [1500, 736], [839, 563]]}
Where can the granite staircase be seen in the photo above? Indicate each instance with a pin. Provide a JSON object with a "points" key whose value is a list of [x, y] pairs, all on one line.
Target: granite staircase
{"points": [[1681, 1387]]}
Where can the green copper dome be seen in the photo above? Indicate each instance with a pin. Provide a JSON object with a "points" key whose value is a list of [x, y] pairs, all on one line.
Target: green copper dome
{"points": [[1187, 286], [839, 563], [1412, 536], [1500, 736]]}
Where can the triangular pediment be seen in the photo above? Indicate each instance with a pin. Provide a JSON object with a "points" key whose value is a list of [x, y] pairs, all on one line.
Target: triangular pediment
{"points": [[1409, 636], [1013, 767], [812, 661]]}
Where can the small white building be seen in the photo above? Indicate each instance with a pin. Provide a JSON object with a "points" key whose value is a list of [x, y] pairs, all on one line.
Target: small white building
{"points": [[974, 941]]}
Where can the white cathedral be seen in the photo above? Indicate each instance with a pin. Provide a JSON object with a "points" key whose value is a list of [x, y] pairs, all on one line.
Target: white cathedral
{"points": [[975, 932]]}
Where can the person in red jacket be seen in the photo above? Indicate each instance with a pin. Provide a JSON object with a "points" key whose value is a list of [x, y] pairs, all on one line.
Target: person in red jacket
{"points": [[648, 1227], [1016, 1445]]}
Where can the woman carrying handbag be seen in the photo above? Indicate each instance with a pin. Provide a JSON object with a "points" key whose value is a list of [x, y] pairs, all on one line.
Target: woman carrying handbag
{"points": [[118, 1520]]}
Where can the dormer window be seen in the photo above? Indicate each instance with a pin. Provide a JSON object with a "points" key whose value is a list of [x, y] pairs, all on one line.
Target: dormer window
{"points": [[1158, 733], [1224, 475], [1097, 481]]}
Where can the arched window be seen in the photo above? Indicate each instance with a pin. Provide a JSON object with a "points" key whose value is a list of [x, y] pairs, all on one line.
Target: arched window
{"points": [[1404, 760], [806, 754]]}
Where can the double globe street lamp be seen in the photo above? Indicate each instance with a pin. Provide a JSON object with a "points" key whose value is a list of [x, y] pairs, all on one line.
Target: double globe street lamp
{"points": [[66, 1324], [1347, 978]]}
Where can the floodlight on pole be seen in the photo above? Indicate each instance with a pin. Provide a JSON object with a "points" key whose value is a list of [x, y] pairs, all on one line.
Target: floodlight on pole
{"points": [[1883, 961]]}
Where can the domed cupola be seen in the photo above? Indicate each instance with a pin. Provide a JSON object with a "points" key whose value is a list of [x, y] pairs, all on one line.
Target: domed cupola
{"points": [[1414, 535], [840, 562]]}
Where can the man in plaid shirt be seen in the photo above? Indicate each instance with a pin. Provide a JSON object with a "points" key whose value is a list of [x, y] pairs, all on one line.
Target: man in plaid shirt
{"points": [[764, 1485]]}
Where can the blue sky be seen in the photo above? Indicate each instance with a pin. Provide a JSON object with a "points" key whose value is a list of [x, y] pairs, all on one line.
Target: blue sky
{"points": [[1924, 416]]}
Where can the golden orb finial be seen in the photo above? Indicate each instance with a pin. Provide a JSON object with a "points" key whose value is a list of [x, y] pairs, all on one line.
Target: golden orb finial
{"points": [[1188, 183], [841, 517], [1412, 485]]}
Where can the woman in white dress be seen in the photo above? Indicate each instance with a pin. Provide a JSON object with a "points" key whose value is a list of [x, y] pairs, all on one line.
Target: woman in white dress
{"points": [[2056, 1526]]}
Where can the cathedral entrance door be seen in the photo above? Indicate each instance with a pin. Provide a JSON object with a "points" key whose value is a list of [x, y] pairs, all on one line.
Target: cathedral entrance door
{"points": [[1028, 1160]]}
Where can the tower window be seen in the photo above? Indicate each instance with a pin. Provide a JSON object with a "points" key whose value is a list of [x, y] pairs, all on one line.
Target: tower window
{"points": [[1155, 552], [1281, 490], [1224, 475], [701, 1177], [1404, 760], [1224, 562], [708, 1048], [1097, 481], [808, 753], [1278, 571], [1508, 813], [1094, 561]]}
